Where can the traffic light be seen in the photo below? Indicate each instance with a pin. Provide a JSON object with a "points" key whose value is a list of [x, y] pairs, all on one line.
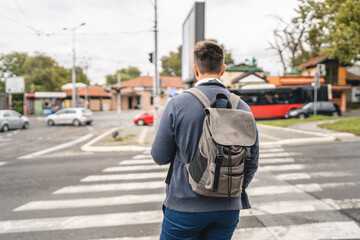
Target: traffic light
{"points": [[151, 57]]}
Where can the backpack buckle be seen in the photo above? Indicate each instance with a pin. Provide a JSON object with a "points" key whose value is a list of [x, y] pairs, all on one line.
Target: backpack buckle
{"points": [[220, 151]]}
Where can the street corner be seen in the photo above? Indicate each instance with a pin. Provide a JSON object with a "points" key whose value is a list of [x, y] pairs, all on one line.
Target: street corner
{"points": [[271, 135], [126, 139]]}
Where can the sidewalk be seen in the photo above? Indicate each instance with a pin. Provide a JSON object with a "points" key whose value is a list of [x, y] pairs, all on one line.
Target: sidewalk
{"points": [[313, 127]]}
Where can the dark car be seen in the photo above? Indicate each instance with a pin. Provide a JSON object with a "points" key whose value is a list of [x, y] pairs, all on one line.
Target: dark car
{"points": [[323, 108]]}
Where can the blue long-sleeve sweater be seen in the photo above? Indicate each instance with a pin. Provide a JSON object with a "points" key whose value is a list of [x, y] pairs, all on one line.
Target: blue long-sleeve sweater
{"points": [[181, 127]]}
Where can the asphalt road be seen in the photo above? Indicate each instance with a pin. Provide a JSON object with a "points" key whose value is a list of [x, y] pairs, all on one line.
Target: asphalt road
{"points": [[300, 192]]}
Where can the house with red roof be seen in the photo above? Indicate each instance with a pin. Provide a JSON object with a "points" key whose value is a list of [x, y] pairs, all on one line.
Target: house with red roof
{"points": [[137, 93], [98, 99]]}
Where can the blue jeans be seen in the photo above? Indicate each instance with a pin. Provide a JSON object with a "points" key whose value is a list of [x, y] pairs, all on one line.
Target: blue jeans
{"points": [[196, 226]]}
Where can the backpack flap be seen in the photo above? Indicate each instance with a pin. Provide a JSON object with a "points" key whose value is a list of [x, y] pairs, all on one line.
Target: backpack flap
{"points": [[230, 127]]}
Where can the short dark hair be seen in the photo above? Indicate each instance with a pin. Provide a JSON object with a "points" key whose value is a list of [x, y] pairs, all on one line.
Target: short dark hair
{"points": [[209, 57]]}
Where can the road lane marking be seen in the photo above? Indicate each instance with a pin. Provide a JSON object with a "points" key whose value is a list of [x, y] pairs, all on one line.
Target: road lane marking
{"points": [[142, 156], [271, 150], [273, 138], [80, 222], [302, 176], [3, 163], [285, 167], [57, 148], [324, 230], [143, 134], [129, 176], [111, 187], [315, 187], [137, 162], [130, 238], [293, 176], [135, 168], [350, 203], [91, 202], [275, 160], [276, 155], [270, 190]]}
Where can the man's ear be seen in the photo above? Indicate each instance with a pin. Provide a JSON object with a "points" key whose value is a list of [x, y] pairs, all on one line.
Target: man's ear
{"points": [[223, 70], [196, 70]]}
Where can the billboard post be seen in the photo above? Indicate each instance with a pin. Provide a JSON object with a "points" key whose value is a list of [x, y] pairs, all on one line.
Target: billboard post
{"points": [[14, 85], [192, 32]]}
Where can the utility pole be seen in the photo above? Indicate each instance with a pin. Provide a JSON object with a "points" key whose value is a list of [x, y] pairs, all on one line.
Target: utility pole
{"points": [[87, 85], [156, 97], [316, 87], [118, 92], [73, 99]]}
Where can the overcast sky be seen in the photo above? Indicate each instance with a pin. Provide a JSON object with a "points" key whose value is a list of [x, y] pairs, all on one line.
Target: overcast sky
{"points": [[118, 33]]}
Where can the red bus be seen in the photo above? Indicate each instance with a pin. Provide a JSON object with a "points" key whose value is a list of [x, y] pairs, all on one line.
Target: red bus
{"points": [[275, 102]]}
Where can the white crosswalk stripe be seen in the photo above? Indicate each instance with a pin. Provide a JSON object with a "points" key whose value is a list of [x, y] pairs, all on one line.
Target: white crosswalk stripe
{"points": [[126, 176], [134, 168], [137, 162], [268, 206], [110, 187], [91, 202], [3, 163]]}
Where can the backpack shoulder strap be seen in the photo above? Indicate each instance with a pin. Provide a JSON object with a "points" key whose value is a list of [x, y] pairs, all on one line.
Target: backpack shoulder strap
{"points": [[199, 95], [234, 100]]}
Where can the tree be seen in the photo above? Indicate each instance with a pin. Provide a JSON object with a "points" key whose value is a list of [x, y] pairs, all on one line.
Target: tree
{"points": [[44, 74], [125, 74], [332, 27], [171, 64], [288, 42], [41, 72]]}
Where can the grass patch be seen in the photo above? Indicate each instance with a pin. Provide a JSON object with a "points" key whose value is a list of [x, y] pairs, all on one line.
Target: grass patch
{"points": [[124, 138], [291, 121], [351, 125]]}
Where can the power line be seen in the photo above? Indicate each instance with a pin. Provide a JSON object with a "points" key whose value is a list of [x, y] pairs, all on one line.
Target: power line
{"points": [[28, 20], [117, 11]]}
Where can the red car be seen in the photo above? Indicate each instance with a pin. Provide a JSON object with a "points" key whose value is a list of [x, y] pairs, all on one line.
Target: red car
{"points": [[146, 117]]}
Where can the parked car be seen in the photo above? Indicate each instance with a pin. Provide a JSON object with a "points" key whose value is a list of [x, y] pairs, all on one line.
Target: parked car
{"points": [[74, 116], [10, 119], [323, 108], [146, 117]]}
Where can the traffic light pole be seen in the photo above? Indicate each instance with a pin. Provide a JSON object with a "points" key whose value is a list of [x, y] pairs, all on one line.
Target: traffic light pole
{"points": [[316, 86], [156, 86]]}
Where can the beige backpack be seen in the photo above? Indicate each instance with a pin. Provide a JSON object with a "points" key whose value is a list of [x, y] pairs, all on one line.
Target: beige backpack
{"points": [[217, 169]]}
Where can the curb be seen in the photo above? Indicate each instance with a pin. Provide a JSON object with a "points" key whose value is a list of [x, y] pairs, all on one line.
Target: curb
{"points": [[130, 148], [321, 137]]}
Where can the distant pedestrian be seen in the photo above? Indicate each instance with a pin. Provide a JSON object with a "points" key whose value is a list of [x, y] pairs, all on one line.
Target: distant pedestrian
{"points": [[189, 215]]}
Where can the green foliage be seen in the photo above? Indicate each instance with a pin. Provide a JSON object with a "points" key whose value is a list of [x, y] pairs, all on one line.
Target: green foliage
{"points": [[171, 64], [125, 74], [346, 34], [332, 27], [41, 72], [11, 64]]}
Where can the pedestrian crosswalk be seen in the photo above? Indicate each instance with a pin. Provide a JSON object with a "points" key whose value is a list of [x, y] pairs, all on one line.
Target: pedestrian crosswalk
{"points": [[280, 209], [2, 163]]}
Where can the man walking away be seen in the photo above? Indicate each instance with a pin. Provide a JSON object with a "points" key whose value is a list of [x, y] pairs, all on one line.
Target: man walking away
{"points": [[187, 214]]}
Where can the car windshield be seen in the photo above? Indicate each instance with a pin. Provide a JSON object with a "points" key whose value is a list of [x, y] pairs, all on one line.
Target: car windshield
{"points": [[307, 106]]}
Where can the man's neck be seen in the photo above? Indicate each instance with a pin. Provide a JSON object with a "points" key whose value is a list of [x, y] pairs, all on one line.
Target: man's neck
{"points": [[203, 76]]}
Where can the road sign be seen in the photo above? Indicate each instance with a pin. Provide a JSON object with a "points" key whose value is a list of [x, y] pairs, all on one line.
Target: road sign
{"points": [[321, 69], [15, 85]]}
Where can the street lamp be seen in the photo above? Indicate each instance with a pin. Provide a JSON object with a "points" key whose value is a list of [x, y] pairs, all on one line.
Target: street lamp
{"points": [[73, 99]]}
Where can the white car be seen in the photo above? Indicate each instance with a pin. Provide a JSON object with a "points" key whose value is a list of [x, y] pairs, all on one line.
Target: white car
{"points": [[74, 116], [10, 119]]}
